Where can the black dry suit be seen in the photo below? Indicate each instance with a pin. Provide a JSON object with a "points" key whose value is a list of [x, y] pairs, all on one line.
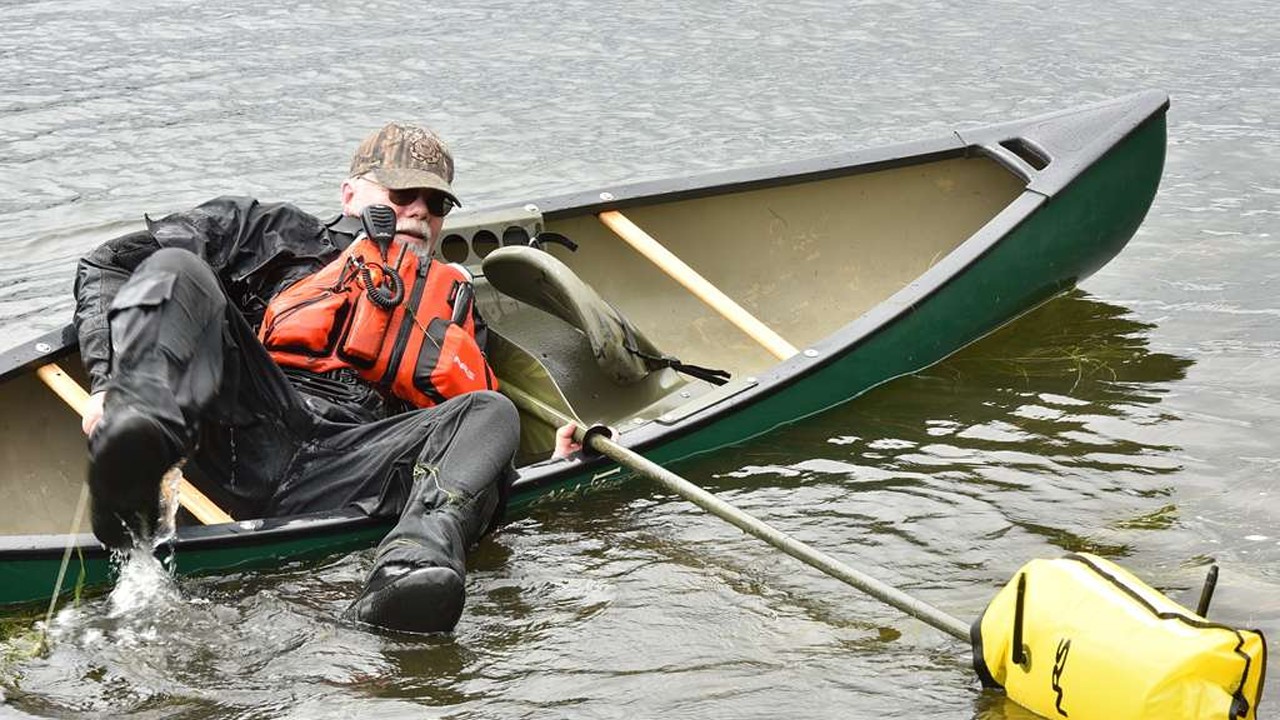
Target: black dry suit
{"points": [[166, 319]]}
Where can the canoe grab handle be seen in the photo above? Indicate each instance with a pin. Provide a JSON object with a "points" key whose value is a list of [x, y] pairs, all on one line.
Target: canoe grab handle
{"points": [[695, 283], [1027, 152], [194, 501], [1021, 156]]}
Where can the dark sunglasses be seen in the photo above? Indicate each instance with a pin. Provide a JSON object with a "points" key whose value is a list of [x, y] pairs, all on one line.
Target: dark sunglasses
{"points": [[438, 203]]}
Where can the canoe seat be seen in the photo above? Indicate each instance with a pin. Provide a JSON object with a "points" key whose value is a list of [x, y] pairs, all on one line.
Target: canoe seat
{"points": [[538, 279]]}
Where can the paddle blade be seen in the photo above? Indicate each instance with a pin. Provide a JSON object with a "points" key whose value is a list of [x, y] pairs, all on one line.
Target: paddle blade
{"points": [[1096, 642]]}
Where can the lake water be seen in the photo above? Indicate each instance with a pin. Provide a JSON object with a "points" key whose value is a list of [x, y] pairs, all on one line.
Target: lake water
{"points": [[1134, 418]]}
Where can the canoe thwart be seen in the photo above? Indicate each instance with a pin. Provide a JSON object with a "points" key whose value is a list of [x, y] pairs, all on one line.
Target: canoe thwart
{"points": [[194, 501], [647, 246]]}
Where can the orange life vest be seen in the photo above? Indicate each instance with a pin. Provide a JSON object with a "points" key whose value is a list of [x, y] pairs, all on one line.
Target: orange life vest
{"points": [[419, 349]]}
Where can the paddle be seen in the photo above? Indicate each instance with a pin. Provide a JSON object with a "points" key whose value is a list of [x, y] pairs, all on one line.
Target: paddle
{"points": [[597, 440], [194, 501]]}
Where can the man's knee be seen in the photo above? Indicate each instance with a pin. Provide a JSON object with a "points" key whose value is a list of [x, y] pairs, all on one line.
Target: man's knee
{"points": [[482, 413], [494, 405], [184, 275], [182, 263], [496, 413]]}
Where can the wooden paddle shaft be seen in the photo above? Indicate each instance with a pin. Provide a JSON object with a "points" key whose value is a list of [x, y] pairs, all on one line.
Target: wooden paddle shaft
{"points": [[195, 502], [695, 283]]}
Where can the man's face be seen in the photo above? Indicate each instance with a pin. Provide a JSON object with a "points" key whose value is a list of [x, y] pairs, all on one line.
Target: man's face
{"points": [[414, 222]]}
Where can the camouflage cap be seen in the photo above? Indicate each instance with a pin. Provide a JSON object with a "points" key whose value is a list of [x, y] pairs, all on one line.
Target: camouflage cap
{"points": [[402, 156]]}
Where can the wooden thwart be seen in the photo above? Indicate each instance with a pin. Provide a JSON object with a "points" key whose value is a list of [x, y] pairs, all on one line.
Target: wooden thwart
{"points": [[195, 502], [695, 283]]}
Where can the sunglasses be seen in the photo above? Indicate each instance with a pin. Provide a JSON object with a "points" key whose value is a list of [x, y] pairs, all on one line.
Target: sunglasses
{"points": [[438, 204]]}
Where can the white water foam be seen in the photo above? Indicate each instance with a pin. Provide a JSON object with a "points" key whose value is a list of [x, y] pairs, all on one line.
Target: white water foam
{"points": [[144, 584]]}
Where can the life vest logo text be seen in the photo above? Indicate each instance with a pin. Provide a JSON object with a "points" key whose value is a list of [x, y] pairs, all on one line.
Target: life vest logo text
{"points": [[463, 366]]}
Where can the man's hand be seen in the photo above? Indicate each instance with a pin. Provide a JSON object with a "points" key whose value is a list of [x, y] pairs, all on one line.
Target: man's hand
{"points": [[565, 444], [92, 412]]}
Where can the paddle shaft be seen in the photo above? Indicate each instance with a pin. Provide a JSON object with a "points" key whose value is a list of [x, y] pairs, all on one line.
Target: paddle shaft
{"points": [[644, 467], [695, 283], [780, 540], [195, 502]]}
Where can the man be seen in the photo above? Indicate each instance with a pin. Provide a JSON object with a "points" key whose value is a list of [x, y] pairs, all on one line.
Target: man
{"points": [[298, 365]]}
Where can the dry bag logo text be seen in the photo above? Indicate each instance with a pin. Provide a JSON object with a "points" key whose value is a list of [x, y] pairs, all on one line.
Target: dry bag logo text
{"points": [[1060, 664]]}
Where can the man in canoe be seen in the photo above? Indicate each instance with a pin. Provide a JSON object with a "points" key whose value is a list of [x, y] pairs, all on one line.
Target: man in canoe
{"points": [[298, 365]]}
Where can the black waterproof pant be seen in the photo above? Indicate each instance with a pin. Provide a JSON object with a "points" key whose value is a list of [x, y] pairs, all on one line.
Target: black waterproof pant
{"points": [[186, 356]]}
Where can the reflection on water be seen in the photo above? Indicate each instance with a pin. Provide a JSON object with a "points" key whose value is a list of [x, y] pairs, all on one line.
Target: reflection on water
{"points": [[1044, 428]]}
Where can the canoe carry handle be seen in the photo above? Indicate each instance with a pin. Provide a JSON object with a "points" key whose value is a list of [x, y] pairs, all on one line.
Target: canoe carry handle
{"points": [[696, 284], [194, 501]]}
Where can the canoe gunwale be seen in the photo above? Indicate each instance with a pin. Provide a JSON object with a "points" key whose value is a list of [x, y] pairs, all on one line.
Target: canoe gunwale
{"points": [[961, 143], [1130, 112], [51, 346], [238, 534]]}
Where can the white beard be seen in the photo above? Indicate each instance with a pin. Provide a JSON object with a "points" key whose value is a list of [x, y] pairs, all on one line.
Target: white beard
{"points": [[418, 233]]}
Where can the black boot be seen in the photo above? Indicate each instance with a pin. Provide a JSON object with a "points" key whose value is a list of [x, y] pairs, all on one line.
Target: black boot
{"points": [[418, 580], [129, 453], [411, 599]]}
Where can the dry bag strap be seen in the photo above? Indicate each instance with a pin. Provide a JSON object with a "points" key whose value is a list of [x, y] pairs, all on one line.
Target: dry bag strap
{"points": [[657, 362]]}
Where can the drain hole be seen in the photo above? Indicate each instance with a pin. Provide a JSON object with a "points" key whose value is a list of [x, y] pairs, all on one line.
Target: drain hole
{"points": [[484, 242]]}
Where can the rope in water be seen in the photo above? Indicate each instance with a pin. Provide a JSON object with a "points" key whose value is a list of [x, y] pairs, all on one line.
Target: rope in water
{"points": [[66, 555]]}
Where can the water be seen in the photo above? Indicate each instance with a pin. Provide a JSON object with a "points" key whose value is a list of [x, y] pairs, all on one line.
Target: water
{"points": [[1134, 419]]}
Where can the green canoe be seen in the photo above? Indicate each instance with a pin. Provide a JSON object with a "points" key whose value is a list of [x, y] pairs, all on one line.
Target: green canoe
{"points": [[829, 276]]}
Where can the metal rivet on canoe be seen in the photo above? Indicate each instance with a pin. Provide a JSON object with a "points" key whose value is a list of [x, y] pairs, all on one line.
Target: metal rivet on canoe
{"points": [[810, 352], [43, 348], [684, 393], [606, 196], [531, 208]]}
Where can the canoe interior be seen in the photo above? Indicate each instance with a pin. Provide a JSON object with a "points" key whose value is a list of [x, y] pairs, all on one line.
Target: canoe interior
{"points": [[805, 259], [42, 457]]}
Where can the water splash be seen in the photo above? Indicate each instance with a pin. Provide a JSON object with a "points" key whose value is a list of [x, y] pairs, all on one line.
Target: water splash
{"points": [[144, 584]]}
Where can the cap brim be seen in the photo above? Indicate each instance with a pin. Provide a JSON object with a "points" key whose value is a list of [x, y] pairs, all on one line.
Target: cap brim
{"points": [[407, 178]]}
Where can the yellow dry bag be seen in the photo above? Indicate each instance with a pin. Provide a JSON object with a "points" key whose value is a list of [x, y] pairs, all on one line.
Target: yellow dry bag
{"points": [[1081, 638]]}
